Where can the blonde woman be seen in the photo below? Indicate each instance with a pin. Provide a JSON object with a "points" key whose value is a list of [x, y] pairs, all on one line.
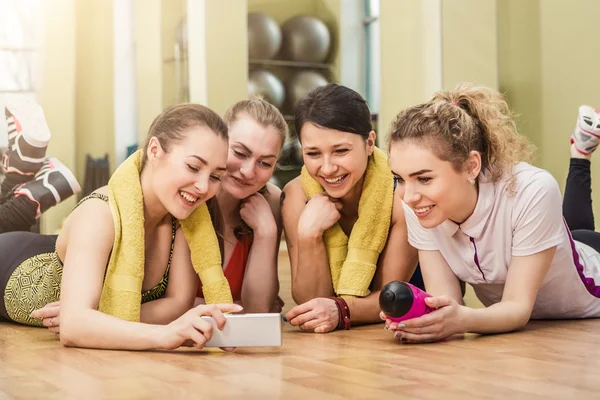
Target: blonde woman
{"points": [[250, 205], [478, 212]]}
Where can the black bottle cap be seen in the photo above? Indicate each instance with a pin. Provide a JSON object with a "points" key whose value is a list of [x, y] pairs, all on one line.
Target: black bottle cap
{"points": [[396, 299]]}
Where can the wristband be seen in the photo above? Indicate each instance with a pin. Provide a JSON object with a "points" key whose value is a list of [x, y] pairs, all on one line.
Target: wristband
{"points": [[343, 311]]}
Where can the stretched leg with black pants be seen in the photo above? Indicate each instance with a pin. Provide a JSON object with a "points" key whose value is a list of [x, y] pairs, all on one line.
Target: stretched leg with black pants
{"points": [[16, 213], [577, 203]]}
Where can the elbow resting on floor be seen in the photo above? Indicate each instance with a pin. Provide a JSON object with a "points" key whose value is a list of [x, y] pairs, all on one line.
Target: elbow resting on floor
{"points": [[298, 298], [68, 332]]}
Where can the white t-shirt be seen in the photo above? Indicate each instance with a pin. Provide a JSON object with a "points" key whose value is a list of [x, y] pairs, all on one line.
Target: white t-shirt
{"points": [[527, 222]]}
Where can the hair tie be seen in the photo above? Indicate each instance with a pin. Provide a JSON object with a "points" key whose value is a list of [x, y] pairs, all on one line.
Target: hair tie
{"points": [[455, 104]]}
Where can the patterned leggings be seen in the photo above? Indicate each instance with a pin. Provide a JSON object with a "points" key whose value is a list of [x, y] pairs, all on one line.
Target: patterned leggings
{"points": [[41, 272]]}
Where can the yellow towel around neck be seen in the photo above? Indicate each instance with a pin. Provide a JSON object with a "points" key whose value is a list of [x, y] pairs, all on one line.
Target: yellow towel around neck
{"points": [[353, 261], [122, 291]]}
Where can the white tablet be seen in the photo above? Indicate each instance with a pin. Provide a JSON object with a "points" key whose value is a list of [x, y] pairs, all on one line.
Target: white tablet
{"points": [[245, 330]]}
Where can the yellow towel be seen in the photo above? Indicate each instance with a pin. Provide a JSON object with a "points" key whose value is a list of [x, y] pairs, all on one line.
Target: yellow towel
{"points": [[122, 290], [353, 262]]}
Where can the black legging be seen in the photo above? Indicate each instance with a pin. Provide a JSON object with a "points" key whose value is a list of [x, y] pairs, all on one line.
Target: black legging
{"points": [[16, 213], [577, 203]]}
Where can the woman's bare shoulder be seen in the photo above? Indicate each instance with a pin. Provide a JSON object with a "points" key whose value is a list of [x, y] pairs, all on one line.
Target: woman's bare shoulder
{"points": [[398, 210], [102, 190], [293, 189], [89, 213]]}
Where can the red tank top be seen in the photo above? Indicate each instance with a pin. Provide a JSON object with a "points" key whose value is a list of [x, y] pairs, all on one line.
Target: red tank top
{"points": [[234, 273]]}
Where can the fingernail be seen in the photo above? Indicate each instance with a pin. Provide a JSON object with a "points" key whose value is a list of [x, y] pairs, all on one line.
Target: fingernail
{"points": [[397, 334], [403, 340], [386, 328], [284, 319], [401, 325]]}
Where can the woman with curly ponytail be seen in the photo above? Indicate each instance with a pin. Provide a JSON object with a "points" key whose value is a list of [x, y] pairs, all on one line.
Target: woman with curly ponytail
{"points": [[478, 212]]}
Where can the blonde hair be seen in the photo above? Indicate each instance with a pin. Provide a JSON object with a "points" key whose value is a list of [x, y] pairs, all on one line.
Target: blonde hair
{"points": [[169, 126], [266, 114], [456, 122], [261, 111]]}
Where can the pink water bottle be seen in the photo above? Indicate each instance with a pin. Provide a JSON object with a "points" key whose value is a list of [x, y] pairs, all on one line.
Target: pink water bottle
{"points": [[400, 301]]}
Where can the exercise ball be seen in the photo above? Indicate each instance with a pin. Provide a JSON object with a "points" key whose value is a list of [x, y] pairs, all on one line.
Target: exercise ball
{"points": [[303, 82], [267, 85], [305, 38], [264, 36]]}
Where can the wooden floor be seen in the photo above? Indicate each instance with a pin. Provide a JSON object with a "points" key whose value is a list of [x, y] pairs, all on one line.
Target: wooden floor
{"points": [[559, 360]]}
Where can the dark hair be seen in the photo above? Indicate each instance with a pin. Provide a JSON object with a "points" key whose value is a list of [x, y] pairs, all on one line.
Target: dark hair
{"points": [[455, 122], [334, 107], [168, 128]]}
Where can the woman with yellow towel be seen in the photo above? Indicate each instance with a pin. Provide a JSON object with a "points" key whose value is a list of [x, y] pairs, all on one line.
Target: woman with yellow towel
{"points": [[339, 215], [125, 262]]}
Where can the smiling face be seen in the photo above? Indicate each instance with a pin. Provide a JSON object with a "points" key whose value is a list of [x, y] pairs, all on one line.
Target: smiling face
{"points": [[190, 173], [253, 152], [432, 187], [337, 160]]}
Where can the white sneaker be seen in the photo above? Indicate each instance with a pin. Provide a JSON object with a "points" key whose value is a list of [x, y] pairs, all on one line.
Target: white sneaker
{"points": [[586, 135]]}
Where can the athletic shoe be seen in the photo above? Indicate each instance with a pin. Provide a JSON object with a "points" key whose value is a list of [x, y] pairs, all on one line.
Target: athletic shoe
{"points": [[28, 137], [586, 135], [52, 184]]}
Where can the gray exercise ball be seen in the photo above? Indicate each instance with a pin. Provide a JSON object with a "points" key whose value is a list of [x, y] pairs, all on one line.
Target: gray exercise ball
{"points": [[264, 36], [305, 38], [266, 84], [303, 82]]}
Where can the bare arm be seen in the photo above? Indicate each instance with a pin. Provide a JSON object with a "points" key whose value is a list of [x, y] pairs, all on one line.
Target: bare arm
{"points": [[438, 277], [311, 276], [397, 262], [181, 290], [90, 240], [524, 279], [261, 283], [537, 209]]}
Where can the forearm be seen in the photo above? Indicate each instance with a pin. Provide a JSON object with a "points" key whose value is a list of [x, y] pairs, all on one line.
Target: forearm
{"points": [[163, 311], [93, 329], [504, 316], [313, 276], [364, 310], [261, 284]]}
